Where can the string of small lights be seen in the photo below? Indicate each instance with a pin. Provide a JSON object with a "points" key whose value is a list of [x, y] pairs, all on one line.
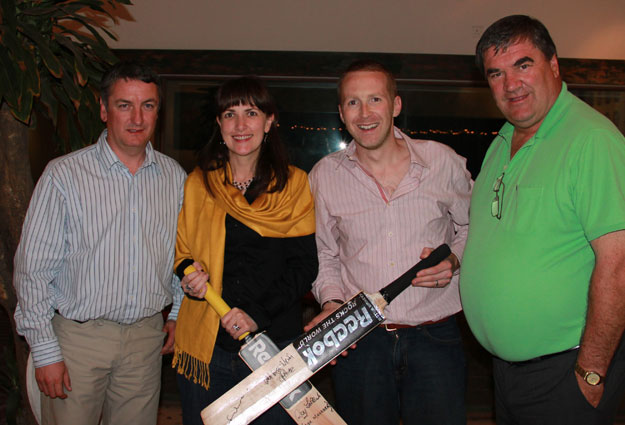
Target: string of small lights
{"points": [[464, 131]]}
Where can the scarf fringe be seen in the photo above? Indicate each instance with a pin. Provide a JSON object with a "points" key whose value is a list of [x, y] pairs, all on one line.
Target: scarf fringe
{"points": [[191, 368]]}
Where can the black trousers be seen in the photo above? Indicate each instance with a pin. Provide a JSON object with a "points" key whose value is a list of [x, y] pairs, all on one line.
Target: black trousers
{"points": [[545, 392]]}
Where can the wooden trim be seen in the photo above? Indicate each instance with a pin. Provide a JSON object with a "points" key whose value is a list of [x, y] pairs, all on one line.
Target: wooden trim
{"points": [[408, 68]]}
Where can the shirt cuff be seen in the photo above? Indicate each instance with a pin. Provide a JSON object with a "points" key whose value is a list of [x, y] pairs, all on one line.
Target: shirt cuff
{"points": [[458, 249], [173, 313], [329, 294], [46, 353]]}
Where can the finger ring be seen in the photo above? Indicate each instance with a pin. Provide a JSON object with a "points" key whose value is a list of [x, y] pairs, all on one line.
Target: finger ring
{"points": [[236, 327], [437, 283], [187, 287]]}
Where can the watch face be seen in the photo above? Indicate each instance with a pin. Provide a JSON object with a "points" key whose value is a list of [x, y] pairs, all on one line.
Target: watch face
{"points": [[593, 378]]}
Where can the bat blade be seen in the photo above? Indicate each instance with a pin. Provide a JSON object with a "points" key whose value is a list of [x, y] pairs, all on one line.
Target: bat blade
{"points": [[259, 391], [305, 404], [310, 352]]}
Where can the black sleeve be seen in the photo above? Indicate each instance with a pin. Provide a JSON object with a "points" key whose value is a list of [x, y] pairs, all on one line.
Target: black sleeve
{"points": [[183, 265]]}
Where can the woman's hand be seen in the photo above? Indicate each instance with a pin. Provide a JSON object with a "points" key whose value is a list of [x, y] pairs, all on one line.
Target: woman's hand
{"points": [[194, 284], [236, 322]]}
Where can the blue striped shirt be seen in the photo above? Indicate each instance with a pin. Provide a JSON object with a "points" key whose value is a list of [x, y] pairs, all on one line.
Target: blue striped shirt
{"points": [[97, 243]]}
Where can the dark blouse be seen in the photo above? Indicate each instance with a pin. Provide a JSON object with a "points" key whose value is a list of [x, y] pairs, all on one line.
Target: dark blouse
{"points": [[266, 278]]}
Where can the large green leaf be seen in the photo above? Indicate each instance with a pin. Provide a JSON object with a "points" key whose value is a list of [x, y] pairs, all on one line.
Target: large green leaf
{"points": [[43, 45], [34, 84], [81, 5], [8, 13], [62, 97], [71, 88], [23, 58], [51, 61], [40, 11], [8, 76], [88, 116], [109, 33], [79, 66], [24, 106], [49, 101], [99, 50], [89, 28], [76, 140]]}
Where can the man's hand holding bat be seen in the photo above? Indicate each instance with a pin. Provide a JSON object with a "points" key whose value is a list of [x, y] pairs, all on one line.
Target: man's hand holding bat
{"points": [[437, 276]]}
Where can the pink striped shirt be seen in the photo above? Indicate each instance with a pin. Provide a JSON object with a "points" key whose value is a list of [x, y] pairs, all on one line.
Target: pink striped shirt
{"points": [[365, 241]]}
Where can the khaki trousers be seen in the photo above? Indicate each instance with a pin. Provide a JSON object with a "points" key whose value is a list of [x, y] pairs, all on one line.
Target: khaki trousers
{"points": [[115, 373]]}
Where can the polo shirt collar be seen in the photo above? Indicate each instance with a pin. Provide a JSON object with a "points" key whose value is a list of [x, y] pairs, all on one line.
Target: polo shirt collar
{"points": [[555, 113]]}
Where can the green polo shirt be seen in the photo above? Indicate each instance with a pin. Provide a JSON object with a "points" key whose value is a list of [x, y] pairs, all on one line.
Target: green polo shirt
{"points": [[524, 278]]}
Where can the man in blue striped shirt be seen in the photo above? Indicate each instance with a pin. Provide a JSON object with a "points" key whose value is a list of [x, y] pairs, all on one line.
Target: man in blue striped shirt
{"points": [[93, 269]]}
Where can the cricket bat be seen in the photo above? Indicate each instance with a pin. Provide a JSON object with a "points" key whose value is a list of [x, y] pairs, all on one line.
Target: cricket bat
{"points": [[304, 404], [310, 352]]}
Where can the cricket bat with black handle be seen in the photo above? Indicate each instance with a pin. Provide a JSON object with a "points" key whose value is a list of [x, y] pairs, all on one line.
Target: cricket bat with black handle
{"points": [[305, 404], [309, 353]]}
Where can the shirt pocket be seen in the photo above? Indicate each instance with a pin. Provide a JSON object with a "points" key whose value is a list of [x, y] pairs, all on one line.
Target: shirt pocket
{"points": [[527, 213]]}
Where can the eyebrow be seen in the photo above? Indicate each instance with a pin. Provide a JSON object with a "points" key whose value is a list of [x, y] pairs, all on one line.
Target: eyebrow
{"points": [[523, 60], [150, 100], [519, 62]]}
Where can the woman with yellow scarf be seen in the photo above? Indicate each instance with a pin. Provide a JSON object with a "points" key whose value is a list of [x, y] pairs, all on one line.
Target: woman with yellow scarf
{"points": [[247, 224]]}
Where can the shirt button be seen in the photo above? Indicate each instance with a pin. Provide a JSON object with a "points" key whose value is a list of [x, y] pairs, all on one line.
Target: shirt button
{"points": [[390, 234], [392, 264]]}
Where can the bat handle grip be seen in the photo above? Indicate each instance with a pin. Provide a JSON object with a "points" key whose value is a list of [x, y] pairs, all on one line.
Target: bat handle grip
{"points": [[215, 300], [394, 288]]}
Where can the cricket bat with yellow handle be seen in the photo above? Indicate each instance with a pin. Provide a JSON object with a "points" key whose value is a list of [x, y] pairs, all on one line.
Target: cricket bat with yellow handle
{"points": [[304, 404], [310, 352]]}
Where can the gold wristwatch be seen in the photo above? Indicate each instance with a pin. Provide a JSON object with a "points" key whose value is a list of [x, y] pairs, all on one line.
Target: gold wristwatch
{"points": [[591, 378]]}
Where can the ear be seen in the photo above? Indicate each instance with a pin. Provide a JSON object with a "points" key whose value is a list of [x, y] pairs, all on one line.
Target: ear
{"points": [[396, 106], [268, 123], [218, 122], [341, 114], [555, 66], [103, 113]]}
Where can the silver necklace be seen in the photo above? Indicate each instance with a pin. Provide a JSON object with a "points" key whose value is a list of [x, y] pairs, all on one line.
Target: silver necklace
{"points": [[242, 186]]}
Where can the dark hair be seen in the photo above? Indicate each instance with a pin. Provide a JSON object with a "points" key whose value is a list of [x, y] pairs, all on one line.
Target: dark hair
{"points": [[510, 30], [372, 66], [272, 160], [127, 71]]}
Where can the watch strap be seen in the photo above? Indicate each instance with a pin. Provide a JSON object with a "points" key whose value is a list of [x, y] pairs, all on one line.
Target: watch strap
{"points": [[590, 377]]}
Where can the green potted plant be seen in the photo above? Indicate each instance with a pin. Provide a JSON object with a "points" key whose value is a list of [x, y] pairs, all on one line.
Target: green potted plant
{"points": [[52, 56]]}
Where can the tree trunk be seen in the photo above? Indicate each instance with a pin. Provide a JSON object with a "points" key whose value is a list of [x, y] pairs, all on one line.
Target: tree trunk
{"points": [[16, 186]]}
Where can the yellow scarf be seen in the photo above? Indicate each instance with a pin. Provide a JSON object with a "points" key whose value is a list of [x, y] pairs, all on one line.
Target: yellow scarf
{"points": [[201, 237]]}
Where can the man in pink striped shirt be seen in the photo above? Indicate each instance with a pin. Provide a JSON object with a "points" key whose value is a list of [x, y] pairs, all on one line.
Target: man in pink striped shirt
{"points": [[381, 204]]}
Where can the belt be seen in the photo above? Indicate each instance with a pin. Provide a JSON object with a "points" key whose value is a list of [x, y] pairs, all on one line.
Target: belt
{"points": [[80, 322], [76, 321], [541, 358], [391, 327]]}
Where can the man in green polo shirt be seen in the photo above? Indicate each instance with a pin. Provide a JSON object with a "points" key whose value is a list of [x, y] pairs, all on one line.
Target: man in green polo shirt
{"points": [[543, 275]]}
